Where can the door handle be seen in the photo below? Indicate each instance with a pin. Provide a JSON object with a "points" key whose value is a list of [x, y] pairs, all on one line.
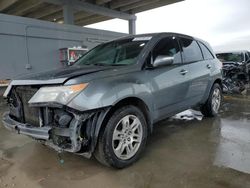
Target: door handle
{"points": [[209, 66], [183, 72]]}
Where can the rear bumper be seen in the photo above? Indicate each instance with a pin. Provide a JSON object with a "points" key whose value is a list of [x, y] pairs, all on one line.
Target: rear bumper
{"points": [[29, 130]]}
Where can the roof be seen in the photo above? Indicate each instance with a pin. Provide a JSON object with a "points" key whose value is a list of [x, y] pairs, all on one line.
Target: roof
{"points": [[89, 12], [159, 33], [232, 51]]}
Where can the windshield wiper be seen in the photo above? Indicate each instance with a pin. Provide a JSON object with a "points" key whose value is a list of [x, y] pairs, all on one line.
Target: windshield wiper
{"points": [[105, 64], [118, 64], [96, 64]]}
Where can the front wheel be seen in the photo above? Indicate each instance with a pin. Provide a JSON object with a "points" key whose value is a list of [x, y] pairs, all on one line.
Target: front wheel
{"points": [[123, 139], [212, 106]]}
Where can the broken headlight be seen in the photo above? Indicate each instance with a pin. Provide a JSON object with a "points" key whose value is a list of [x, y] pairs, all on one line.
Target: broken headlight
{"points": [[57, 94]]}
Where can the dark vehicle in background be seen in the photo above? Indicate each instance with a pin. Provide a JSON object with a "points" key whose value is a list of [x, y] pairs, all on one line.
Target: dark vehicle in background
{"points": [[236, 66], [106, 104]]}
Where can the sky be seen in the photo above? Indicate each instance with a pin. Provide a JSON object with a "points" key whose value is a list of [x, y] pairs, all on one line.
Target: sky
{"points": [[225, 24]]}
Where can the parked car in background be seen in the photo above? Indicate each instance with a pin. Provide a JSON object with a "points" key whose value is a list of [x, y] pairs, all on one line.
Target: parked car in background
{"points": [[107, 103], [234, 56], [236, 66]]}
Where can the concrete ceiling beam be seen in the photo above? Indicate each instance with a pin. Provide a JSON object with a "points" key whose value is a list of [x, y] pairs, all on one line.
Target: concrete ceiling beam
{"points": [[46, 11], [152, 5], [24, 6], [101, 2], [4, 4], [88, 7], [120, 3]]}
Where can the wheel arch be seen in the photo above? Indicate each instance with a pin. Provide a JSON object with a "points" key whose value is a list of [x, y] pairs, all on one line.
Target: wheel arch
{"points": [[135, 101], [209, 87], [218, 81], [206, 108]]}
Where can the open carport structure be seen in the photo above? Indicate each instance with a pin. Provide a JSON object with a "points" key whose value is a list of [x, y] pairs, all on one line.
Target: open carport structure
{"points": [[183, 151], [58, 24], [80, 12]]}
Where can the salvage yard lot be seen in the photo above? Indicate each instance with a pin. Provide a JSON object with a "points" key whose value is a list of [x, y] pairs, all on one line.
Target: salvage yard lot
{"points": [[207, 153]]}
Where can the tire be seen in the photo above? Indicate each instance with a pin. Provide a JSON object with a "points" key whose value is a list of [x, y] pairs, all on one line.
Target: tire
{"points": [[208, 110], [107, 151]]}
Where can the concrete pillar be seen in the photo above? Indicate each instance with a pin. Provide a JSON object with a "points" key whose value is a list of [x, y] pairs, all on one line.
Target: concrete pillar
{"points": [[68, 14], [132, 26]]}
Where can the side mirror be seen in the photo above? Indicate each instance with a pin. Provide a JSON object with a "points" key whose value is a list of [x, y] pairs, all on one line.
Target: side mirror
{"points": [[163, 60]]}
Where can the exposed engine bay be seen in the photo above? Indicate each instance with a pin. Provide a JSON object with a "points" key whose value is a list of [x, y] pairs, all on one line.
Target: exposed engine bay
{"points": [[235, 77], [235, 69]]}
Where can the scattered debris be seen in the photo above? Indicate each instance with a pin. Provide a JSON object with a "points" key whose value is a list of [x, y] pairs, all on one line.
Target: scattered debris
{"points": [[40, 180], [61, 161], [60, 158], [188, 115], [13, 177]]}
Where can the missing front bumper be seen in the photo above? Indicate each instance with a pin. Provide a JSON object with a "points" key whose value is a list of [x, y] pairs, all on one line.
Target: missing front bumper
{"points": [[81, 135], [20, 128]]}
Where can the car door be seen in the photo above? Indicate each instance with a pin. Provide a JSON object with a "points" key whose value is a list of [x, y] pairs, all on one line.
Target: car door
{"points": [[168, 83], [199, 70]]}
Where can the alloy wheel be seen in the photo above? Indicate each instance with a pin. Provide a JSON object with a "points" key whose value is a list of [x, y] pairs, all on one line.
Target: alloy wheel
{"points": [[216, 100], [127, 137]]}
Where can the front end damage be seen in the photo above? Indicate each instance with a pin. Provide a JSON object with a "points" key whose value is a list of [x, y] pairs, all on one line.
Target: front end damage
{"points": [[235, 78], [57, 126]]}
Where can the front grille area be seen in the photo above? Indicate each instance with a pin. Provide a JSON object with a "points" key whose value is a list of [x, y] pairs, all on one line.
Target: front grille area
{"points": [[30, 114]]}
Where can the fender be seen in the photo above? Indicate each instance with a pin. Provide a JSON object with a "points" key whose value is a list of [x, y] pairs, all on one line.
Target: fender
{"points": [[101, 94], [209, 87]]}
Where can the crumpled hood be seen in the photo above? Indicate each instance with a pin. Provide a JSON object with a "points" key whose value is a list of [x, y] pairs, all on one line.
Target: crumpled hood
{"points": [[58, 76], [64, 73]]}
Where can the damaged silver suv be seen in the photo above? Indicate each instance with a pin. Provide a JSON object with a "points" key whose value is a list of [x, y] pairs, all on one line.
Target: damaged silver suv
{"points": [[106, 104]]}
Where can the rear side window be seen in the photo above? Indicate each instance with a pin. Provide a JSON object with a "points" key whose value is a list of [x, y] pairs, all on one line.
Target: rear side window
{"points": [[191, 50], [168, 47], [206, 53]]}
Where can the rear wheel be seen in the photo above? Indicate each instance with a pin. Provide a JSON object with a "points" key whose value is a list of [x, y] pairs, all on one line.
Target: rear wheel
{"points": [[212, 106], [123, 139]]}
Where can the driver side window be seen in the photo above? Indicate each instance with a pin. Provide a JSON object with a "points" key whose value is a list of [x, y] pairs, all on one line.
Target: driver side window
{"points": [[168, 47]]}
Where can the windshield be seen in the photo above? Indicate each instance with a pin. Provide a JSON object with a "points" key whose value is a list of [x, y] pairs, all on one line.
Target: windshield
{"points": [[235, 57], [120, 52]]}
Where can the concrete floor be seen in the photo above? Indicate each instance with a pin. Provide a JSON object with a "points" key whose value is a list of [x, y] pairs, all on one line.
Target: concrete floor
{"points": [[210, 153]]}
